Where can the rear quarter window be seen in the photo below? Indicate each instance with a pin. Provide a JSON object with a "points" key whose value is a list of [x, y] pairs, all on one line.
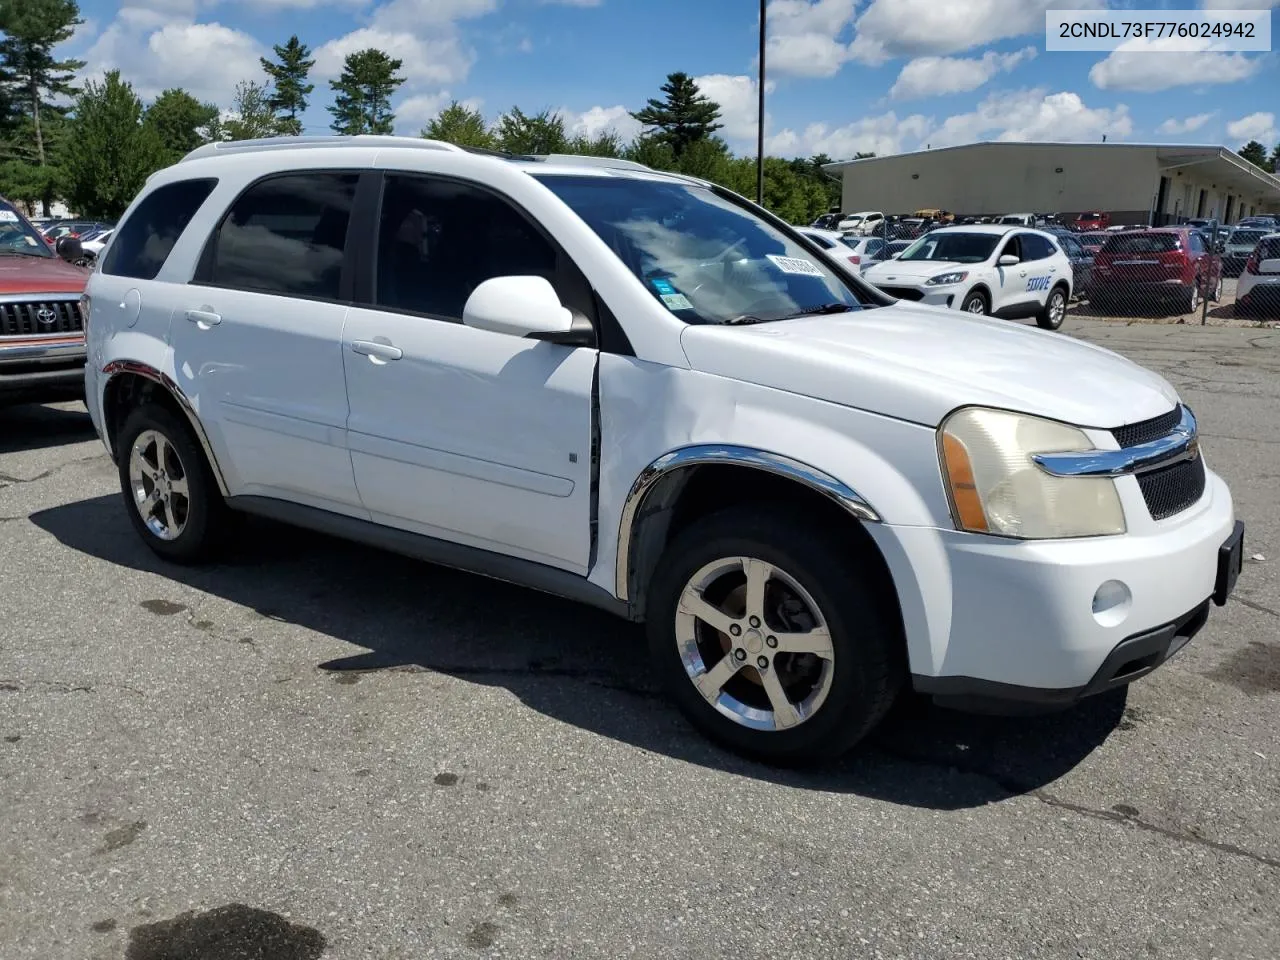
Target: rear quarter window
{"points": [[144, 241]]}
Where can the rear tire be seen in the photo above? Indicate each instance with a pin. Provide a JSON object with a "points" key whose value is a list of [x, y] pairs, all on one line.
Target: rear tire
{"points": [[1054, 311], [976, 302], [839, 665], [1194, 297], [169, 490]]}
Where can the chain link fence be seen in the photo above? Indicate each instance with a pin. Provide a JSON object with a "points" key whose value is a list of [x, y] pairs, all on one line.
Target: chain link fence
{"points": [[1193, 271]]}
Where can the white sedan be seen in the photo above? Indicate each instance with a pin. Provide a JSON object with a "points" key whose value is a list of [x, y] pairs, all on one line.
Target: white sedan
{"points": [[860, 252], [1000, 270]]}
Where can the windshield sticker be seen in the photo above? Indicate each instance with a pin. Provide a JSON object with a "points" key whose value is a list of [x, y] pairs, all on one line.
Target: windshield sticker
{"points": [[8, 216], [676, 301], [664, 287], [795, 265]]}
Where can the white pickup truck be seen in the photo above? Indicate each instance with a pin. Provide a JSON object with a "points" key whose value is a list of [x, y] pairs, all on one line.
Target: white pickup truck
{"points": [[643, 392]]}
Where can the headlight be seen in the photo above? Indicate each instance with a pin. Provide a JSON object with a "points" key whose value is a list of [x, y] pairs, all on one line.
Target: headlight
{"points": [[996, 488], [946, 279]]}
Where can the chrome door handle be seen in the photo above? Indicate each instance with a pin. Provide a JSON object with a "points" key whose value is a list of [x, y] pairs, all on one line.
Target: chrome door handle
{"points": [[380, 350], [204, 318]]}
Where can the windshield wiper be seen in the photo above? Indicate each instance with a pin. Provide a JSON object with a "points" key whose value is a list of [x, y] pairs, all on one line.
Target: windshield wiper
{"points": [[823, 309], [744, 320]]}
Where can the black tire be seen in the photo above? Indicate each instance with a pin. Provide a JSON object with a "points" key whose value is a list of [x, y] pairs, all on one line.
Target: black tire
{"points": [[868, 666], [1054, 311], [975, 297], [206, 517]]}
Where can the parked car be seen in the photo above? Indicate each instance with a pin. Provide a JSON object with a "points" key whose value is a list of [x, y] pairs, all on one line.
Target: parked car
{"points": [[859, 252], [895, 247], [1092, 242], [1091, 221], [863, 224], [1017, 220], [1237, 244], [1080, 258], [641, 392], [998, 270], [828, 221], [94, 245], [1258, 289], [42, 351], [1165, 265], [1266, 222]]}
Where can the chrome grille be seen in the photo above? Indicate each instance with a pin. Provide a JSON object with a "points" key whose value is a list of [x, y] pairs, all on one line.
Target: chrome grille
{"points": [[1134, 434], [33, 318], [1170, 490]]}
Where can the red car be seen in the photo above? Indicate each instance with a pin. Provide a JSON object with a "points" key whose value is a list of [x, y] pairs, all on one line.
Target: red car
{"points": [[41, 327], [1166, 265], [1092, 242], [1091, 221]]}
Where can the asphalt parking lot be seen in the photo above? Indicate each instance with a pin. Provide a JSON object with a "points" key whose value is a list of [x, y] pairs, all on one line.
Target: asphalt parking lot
{"points": [[180, 777]]}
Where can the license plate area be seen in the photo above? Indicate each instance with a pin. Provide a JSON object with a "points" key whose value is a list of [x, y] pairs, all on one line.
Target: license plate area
{"points": [[1230, 563]]}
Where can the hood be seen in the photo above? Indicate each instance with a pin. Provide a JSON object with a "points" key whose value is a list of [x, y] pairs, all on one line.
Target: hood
{"points": [[919, 363], [20, 275], [896, 270]]}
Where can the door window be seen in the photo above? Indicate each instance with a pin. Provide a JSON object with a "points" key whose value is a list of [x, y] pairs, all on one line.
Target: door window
{"points": [[285, 235], [148, 235], [1012, 248], [440, 239]]}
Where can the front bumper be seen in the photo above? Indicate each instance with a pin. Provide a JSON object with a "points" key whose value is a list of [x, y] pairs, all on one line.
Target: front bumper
{"points": [[935, 296], [1049, 622], [41, 368]]}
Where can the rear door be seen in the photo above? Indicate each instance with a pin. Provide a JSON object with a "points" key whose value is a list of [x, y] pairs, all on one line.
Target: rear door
{"points": [[1045, 266], [257, 340]]}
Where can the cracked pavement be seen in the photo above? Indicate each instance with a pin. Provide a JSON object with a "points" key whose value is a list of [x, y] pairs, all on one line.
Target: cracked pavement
{"points": [[321, 750]]}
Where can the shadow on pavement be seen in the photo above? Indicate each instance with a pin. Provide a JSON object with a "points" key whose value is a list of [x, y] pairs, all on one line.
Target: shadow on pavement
{"points": [[576, 664], [31, 426]]}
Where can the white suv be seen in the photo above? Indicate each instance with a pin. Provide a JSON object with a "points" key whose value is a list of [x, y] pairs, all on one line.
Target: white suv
{"points": [[641, 391], [1004, 271]]}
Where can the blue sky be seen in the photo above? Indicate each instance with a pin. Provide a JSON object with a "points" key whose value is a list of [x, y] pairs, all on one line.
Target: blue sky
{"points": [[844, 75]]}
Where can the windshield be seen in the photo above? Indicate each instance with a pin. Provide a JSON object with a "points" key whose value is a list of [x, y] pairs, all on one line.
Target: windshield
{"points": [[1241, 237], [953, 247], [703, 257], [18, 237]]}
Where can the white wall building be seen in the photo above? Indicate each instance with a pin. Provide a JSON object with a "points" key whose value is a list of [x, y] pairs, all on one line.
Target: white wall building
{"points": [[1135, 183]]}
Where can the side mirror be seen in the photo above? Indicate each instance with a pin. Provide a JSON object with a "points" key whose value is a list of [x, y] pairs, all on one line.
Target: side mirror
{"points": [[1009, 260], [69, 249], [524, 307]]}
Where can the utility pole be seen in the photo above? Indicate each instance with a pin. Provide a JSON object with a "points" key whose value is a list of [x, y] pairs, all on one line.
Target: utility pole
{"points": [[760, 116]]}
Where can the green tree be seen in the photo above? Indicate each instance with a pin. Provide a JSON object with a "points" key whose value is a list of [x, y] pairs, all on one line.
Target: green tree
{"points": [[362, 101], [706, 159], [252, 115], [289, 83], [32, 74], [605, 144], [182, 122], [651, 152], [1255, 153], [682, 117], [1274, 161], [109, 150], [521, 133], [461, 125]]}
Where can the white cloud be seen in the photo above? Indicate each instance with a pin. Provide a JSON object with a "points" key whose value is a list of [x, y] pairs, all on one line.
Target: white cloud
{"points": [[207, 59], [1033, 114], [1256, 126], [598, 120], [436, 60], [803, 37], [1151, 65], [939, 76], [883, 134], [739, 103], [413, 113], [1187, 124], [1239, 4], [912, 28]]}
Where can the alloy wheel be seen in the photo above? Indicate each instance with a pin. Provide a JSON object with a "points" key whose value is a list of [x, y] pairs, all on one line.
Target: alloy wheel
{"points": [[158, 481]]}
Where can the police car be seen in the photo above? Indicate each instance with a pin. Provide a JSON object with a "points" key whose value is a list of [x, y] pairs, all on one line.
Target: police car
{"points": [[999, 270]]}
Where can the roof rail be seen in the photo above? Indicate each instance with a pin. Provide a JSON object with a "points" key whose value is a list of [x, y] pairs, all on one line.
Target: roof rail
{"points": [[282, 143], [581, 160]]}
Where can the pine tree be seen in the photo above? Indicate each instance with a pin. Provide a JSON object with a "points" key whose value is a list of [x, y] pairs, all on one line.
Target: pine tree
{"points": [[683, 117], [362, 103], [33, 76], [461, 125], [1255, 153], [289, 80]]}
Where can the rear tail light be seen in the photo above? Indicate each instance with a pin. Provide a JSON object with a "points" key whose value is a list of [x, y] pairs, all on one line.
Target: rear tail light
{"points": [[1252, 264], [856, 258]]}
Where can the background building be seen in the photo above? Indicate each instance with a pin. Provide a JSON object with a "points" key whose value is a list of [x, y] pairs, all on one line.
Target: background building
{"points": [[1136, 183]]}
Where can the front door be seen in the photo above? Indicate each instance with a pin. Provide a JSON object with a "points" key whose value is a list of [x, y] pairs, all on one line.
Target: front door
{"points": [[480, 438], [1011, 294], [257, 342]]}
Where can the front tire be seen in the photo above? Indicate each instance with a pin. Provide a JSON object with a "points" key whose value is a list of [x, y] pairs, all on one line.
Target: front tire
{"points": [[1054, 310], [169, 490], [771, 637], [976, 302]]}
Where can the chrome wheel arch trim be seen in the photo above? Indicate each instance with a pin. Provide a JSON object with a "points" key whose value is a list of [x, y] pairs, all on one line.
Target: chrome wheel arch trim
{"points": [[121, 367], [723, 453]]}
